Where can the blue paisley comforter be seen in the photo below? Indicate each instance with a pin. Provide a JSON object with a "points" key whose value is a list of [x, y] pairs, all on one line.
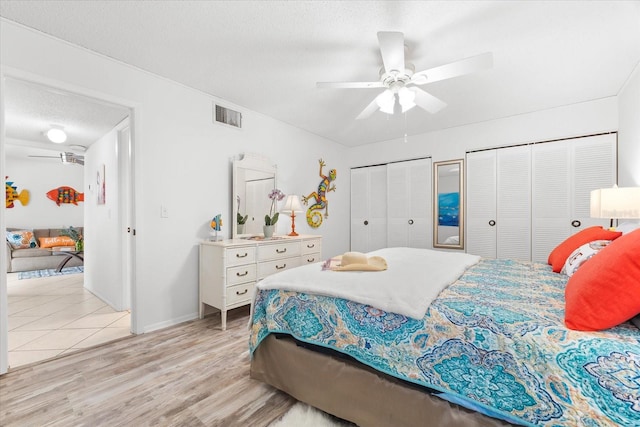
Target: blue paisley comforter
{"points": [[494, 338]]}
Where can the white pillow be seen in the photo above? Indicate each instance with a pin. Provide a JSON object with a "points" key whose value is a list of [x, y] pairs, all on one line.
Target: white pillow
{"points": [[627, 227], [582, 255]]}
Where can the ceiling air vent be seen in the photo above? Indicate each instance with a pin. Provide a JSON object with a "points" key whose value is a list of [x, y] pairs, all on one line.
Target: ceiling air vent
{"points": [[228, 116]]}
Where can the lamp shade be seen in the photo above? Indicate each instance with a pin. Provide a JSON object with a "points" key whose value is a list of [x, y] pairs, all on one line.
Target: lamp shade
{"points": [[292, 204], [616, 202]]}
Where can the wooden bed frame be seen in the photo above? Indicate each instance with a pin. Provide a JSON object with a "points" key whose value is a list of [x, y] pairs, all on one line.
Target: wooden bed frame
{"points": [[352, 391]]}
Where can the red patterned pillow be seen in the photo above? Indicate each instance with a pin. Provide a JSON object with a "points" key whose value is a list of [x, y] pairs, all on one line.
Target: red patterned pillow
{"points": [[605, 291], [559, 255]]}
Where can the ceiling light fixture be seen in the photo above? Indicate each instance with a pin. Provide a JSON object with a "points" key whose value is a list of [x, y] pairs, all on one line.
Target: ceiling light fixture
{"points": [[386, 101], [406, 97], [56, 134]]}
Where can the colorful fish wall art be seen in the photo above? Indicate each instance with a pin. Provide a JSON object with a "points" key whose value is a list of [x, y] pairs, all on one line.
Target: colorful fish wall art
{"points": [[65, 194], [13, 195]]}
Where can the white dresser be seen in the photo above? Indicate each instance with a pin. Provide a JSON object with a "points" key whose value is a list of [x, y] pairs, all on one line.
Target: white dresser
{"points": [[229, 269]]}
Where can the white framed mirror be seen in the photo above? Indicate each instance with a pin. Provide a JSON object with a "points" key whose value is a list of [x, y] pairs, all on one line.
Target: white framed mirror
{"points": [[448, 204], [254, 177]]}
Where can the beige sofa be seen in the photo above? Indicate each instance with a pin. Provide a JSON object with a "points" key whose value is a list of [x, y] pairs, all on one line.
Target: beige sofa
{"points": [[37, 258]]}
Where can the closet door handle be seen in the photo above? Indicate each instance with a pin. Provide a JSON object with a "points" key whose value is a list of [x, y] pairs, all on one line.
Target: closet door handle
{"points": [[366, 222], [576, 223], [410, 222], [492, 223]]}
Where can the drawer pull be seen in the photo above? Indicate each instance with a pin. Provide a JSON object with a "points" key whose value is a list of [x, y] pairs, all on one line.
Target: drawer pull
{"points": [[243, 274], [310, 259], [280, 268], [243, 292], [281, 251], [242, 256], [312, 245]]}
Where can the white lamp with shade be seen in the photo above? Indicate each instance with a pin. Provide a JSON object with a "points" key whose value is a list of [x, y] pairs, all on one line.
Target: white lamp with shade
{"points": [[615, 203], [291, 207]]}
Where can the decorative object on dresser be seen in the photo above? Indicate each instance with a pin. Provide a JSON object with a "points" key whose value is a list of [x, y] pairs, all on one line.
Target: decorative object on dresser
{"points": [[271, 218], [229, 269], [291, 207], [216, 225]]}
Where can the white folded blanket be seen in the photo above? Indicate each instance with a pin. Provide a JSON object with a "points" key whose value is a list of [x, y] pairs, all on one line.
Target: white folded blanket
{"points": [[413, 279]]}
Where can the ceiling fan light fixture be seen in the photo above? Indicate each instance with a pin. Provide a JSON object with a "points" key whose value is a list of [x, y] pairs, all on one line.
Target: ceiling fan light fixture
{"points": [[56, 135], [386, 101], [406, 98]]}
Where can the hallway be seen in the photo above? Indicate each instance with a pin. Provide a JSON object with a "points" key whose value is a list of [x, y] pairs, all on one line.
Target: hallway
{"points": [[55, 315]]}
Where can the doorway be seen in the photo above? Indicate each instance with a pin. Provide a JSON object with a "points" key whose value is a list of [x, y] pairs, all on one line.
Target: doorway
{"points": [[106, 223]]}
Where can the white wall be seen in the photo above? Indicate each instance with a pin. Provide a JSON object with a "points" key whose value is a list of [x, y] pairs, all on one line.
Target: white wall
{"points": [[103, 269], [629, 132], [40, 176], [448, 144], [182, 161]]}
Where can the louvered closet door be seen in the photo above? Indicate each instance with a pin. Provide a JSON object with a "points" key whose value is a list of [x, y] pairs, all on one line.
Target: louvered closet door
{"points": [[564, 173], [594, 166], [481, 203], [514, 203], [368, 208], [551, 197], [409, 204]]}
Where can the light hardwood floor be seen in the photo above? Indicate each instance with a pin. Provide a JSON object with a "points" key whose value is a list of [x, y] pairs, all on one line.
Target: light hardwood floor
{"points": [[192, 374]]}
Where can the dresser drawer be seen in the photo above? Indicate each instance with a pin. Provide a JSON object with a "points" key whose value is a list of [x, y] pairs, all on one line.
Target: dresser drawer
{"points": [[241, 273], [311, 246], [240, 293], [310, 258], [271, 267], [237, 256], [278, 250]]}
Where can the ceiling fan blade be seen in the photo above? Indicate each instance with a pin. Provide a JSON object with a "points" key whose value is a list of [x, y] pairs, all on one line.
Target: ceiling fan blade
{"points": [[392, 50], [348, 85], [459, 68], [369, 110], [45, 157], [426, 101]]}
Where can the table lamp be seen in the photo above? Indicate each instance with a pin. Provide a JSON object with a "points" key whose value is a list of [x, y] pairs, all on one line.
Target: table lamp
{"points": [[616, 202], [291, 206]]}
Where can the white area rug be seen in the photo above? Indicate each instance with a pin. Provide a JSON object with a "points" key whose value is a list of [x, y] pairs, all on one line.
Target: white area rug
{"points": [[301, 415]]}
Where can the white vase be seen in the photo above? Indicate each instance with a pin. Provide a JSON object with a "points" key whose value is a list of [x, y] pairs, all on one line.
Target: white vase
{"points": [[268, 230], [240, 228]]}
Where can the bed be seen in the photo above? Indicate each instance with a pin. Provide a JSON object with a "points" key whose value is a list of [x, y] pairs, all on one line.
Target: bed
{"points": [[491, 349]]}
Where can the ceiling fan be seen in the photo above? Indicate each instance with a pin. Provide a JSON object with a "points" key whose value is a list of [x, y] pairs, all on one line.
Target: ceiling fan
{"points": [[399, 78], [66, 157]]}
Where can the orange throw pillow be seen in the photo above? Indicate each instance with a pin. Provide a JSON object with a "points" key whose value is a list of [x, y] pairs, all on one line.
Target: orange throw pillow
{"points": [[559, 255], [52, 242], [605, 290]]}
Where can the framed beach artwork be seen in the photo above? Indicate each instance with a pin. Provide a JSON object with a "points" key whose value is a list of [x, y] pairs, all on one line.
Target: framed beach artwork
{"points": [[101, 185]]}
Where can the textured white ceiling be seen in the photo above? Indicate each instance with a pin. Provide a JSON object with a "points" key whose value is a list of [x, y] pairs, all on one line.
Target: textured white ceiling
{"points": [[267, 55], [31, 109]]}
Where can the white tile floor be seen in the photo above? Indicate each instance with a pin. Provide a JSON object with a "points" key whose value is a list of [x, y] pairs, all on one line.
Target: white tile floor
{"points": [[50, 316]]}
